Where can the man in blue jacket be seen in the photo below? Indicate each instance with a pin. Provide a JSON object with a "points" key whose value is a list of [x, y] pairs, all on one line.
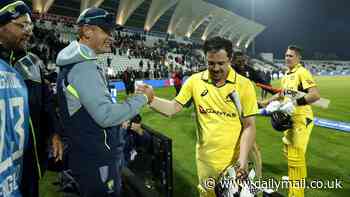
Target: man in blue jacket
{"points": [[15, 15], [14, 108], [91, 120]]}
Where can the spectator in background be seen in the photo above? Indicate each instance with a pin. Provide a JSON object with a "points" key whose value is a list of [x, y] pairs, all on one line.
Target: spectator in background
{"points": [[114, 50], [177, 77], [147, 74], [267, 81], [129, 80], [141, 64], [109, 61], [139, 74], [135, 136], [240, 65], [148, 65]]}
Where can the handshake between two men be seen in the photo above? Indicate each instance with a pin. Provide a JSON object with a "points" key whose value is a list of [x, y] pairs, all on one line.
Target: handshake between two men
{"points": [[145, 89]]}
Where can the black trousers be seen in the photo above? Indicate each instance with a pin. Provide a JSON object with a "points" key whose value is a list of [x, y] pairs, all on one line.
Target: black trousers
{"points": [[30, 177], [99, 181], [129, 88]]}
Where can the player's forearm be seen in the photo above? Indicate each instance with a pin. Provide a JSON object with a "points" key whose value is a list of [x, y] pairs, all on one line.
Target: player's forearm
{"points": [[312, 96], [164, 106], [275, 97], [266, 102], [246, 143]]}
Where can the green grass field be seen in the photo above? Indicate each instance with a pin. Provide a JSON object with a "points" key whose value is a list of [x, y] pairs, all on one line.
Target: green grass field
{"points": [[327, 156]]}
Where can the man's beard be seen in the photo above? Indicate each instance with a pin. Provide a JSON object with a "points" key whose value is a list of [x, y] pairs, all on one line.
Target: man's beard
{"points": [[24, 45]]}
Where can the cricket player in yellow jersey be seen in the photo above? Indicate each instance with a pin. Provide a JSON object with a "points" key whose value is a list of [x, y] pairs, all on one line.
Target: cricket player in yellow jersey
{"points": [[223, 138], [296, 139]]}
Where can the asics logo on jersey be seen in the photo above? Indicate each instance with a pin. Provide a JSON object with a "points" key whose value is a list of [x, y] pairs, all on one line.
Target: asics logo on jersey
{"points": [[205, 92]]}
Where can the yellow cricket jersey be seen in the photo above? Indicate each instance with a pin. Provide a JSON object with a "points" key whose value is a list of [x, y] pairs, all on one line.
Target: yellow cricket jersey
{"points": [[299, 79], [218, 120]]}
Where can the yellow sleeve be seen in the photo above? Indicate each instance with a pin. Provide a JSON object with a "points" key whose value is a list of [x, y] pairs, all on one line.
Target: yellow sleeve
{"points": [[248, 99], [186, 92], [306, 79]]}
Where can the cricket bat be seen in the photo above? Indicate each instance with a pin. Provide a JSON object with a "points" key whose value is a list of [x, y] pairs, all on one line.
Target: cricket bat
{"points": [[294, 95]]}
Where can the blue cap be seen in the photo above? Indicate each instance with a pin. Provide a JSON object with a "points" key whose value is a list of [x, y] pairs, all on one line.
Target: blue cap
{"points": [[98, 17], [10, 9]]}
